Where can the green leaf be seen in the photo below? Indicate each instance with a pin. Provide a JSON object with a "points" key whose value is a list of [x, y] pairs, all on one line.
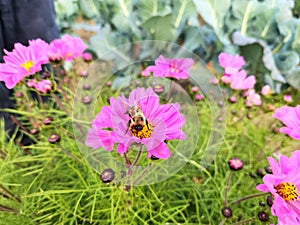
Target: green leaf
{"points": [[268, 59], [293, 77], [121, 18], [162, 28], [213, 12], [121, 82], [182, 11], [147, 9], [286, 60], [296, 42], [89, 9], [193, 38], [104, 43]]}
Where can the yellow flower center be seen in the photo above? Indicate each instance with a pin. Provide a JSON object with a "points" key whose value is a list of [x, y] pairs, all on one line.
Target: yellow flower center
{"points": [[27, 65], [174, 69], [287, 191], [145, 132]]}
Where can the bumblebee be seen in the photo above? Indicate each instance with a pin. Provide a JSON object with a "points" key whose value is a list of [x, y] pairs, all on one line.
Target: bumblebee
{"points": [[138, 125]]}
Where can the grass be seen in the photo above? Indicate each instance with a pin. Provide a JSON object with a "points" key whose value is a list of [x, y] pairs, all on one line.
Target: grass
{"points": [[48, 183]]}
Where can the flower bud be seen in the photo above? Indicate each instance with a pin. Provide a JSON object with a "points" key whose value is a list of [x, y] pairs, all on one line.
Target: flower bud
{"points": [[54, 138], [107, 175], [263, 216], [235, 164], [87, 99], [226, 211]]}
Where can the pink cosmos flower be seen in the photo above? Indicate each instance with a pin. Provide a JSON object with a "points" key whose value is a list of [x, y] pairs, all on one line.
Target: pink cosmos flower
{"points": [[195, 89], [43, 86], [66, 48], [31, 83], [213, 80], [284, 185], [240, 81], [290, 116], [287, 98], [252, 98], [173, 68], [22, 62], [87, 56], [266, 90], [226, 79], [115, 125], [199, 97], [230, 63]]}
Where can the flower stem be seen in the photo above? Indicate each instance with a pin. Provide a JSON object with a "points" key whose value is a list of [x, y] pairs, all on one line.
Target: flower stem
{"points": [[227, 188], [137, 157], [141, 176], [128, 163], [247, 197]]}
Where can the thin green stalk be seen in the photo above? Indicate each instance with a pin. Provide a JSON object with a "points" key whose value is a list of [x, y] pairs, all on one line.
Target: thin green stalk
{"points": [[227, 188]]}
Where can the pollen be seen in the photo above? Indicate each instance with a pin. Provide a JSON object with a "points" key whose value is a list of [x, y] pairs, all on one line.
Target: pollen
{"points": [[27, 65], [144, 133], [287, 191]]}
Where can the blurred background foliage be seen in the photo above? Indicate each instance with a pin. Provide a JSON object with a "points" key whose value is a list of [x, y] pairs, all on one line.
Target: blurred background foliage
{"points": [[265, 32]]}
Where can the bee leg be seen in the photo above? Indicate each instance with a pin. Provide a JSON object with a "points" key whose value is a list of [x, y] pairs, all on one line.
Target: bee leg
{"points": [[147, 124], [128, 125]]}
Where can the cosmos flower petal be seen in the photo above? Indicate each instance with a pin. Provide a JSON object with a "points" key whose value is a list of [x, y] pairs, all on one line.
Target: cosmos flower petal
{"points": [[99, 138], [240, 81], [103, 119], [161, 151], [262, 187], [290, 116], [121, 148], [177, 68], [227, 60], [274, 165]]}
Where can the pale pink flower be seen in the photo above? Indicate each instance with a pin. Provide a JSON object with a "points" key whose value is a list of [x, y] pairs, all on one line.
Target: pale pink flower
{"points": [[86, 56], [199, 97], [195, 89], [163, 122], [252, 98], [43, 86], [174, 68], [290, 116], [240, 81], [213, 80], [266, 90], [66, 48], [226, 79], [22, 62], [287, 98], [230, 63], [31, 83], [284, 185]]}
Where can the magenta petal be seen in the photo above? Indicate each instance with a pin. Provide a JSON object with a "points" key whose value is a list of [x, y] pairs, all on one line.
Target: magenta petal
{"points": [[97, 138], [103, 119], [121, 148], [177, 68], [161, 151], [274, 165], [262, 187]]}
